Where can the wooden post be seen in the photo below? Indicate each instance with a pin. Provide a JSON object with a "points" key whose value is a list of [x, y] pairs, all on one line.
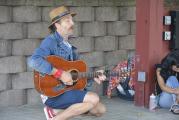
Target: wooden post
{"points": [[150, 47]]}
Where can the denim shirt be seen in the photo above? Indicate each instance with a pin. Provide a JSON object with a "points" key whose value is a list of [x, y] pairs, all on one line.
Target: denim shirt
{"points": [[51, 45]]}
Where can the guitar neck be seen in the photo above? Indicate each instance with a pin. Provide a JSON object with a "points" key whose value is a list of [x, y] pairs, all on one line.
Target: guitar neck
{"points": [[88, 75], [91, 75]]}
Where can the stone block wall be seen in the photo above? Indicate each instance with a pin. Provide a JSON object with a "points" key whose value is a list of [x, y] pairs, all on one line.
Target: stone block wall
{"points": [[104, 30]]}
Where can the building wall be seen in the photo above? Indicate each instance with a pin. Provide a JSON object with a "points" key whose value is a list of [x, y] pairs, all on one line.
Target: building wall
{"points": [[105, 31]]}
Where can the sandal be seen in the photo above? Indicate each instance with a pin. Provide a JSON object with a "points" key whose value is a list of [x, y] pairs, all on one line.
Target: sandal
{"points": [[175, 109]]}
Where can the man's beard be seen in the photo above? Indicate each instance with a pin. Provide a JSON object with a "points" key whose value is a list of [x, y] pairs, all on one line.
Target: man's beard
{"points": [[70, 31]]}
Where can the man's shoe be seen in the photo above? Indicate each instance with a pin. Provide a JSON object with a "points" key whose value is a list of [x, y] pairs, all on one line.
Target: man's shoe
{"points": [[49, 113]]}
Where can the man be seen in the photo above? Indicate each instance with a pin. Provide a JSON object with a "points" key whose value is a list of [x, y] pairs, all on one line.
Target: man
{"points": [[74, 102]]}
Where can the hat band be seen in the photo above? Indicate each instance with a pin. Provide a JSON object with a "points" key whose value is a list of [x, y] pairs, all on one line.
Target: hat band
{"points": [[61, 15]]}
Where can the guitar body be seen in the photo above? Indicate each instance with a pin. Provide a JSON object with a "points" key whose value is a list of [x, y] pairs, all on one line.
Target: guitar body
{"points": [[52, 87]]}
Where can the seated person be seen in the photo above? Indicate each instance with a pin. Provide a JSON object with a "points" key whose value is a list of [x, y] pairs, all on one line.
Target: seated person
{"points": [[74, 102], [168, 81]]}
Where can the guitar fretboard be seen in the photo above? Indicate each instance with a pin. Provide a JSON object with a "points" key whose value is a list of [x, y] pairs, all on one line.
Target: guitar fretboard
{"points": [[95, 74]]}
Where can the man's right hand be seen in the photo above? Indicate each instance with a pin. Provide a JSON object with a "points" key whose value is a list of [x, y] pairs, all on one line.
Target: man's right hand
{"points": [[66, 78]]}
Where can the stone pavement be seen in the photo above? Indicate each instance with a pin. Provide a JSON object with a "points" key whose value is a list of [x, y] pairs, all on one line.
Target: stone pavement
{"points": [[117, 109]]}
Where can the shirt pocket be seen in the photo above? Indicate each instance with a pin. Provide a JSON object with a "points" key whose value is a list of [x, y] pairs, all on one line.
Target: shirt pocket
{"points": [[62, 53]]}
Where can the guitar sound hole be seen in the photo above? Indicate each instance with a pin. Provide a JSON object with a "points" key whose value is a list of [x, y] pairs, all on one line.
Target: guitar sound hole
{"points": [[74, 74]]}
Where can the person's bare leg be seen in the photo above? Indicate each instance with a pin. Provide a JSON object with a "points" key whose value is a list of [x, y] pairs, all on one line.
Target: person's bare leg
{"points": [[98, 110], [90, 101], [73, 110], [177, 100]]}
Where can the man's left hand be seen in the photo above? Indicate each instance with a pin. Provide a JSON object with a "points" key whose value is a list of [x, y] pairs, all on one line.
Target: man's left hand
{"points": [[101, 77]]}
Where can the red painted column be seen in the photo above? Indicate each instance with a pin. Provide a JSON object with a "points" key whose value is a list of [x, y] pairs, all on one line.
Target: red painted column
{"points": [[150, 47]]}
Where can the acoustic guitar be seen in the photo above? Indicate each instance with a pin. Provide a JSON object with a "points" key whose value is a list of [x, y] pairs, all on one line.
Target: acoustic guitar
{"points": [[52, 87]]}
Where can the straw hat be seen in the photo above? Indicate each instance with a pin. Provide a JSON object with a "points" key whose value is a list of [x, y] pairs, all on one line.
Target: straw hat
{"points": [[58, 13]]}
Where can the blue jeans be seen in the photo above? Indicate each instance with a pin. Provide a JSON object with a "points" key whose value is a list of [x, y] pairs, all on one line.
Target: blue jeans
{"points": [[166, 100]]}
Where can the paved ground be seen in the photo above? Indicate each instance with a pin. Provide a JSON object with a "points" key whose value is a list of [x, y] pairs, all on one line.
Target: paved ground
{"points": [[117, 109]]}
